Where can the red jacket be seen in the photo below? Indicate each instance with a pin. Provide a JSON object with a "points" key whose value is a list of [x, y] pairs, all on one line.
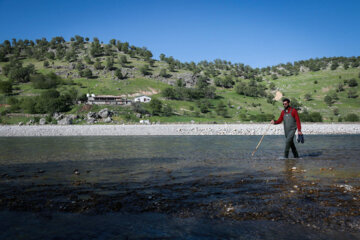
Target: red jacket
{"points": [[294, 113]]}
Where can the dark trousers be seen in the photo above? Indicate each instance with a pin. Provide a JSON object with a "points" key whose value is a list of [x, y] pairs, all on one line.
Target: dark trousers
{"points": [[290, 144]]}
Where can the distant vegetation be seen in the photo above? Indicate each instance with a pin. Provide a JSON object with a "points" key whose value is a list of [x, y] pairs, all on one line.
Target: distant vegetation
{"points": [[44, 77]]}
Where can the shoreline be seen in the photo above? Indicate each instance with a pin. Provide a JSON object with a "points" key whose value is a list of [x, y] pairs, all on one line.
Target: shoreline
{"points": [[174, 129]]}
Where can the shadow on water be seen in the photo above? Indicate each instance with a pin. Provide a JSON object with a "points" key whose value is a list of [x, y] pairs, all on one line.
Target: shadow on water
{"points": [[311, 154], [179, 187]]}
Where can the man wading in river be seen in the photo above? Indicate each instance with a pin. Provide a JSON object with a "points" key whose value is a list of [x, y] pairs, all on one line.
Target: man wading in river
{"points": [[291, 122]]}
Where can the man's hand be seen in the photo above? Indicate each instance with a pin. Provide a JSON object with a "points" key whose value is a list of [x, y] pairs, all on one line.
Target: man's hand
{"points": [[299, 132], [272, 122]]}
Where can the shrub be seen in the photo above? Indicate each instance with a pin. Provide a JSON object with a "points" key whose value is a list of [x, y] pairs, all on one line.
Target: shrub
{"points": [[167, 110], [46, 63], [98, 65], [352, 82], [145, 70], [48, 81], [87, 73], [352, 93], [221, 109], [163, 73], [307, 97], [155, 106], [328, 100], [352, 117], [316, 117], [310, 117], [6, 87]]}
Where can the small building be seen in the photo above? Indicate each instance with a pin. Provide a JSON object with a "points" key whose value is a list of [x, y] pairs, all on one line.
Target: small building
{"points": [[106, 100], [143, 99]]}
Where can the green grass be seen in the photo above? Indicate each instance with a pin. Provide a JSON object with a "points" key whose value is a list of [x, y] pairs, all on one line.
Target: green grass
{"points": [[185, 111]]}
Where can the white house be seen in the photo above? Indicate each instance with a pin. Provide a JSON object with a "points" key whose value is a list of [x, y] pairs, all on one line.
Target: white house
{"points": [[143, 99], [106, 99]]}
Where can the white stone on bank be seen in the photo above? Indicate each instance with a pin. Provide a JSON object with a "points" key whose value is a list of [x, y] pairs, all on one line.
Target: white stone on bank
{"points": [[172, 129]]}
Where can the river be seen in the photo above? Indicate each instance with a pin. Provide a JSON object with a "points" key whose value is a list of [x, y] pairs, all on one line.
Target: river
{"points": [[179, 187]]}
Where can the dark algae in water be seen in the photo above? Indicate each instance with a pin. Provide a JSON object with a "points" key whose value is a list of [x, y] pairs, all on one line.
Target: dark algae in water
{"points": [[179, 187]]}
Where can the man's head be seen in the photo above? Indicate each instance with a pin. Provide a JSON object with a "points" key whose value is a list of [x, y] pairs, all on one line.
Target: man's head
{"points": [[286, 102]]}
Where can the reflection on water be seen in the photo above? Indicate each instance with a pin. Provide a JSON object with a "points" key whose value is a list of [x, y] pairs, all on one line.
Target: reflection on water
{"points": [[177, 180]]}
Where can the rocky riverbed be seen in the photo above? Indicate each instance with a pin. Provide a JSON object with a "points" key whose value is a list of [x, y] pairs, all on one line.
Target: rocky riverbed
{"points": [[173, 129]]}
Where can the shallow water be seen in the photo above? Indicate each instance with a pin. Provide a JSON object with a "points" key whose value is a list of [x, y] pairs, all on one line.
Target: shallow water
{"points": [[194, 187]]}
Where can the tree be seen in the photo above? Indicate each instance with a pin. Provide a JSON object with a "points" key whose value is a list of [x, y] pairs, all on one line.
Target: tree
{"points": [[110, 63], [171, 67], [163, 73], [204, 105], [221, 109], [96, 49], [340, 87], [98, 65], [6, 87], [334, 65], [87, 59], [155, 106], [180, 83], [272, 86], [71, 56], [21, 74], [169, 93], [50, 55], [125, 47], [167, 110], [87, 73], [79, 66], [119, 74], [48, 81], [113, 42], [2, 56], [270, 98], [162, 57], [123, 60]]}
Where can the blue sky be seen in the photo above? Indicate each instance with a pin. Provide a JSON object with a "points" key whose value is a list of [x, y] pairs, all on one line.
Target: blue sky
{"points": [[255, 32]]}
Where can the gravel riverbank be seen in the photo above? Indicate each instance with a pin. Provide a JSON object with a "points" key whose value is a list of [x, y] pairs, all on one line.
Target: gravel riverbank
{"points": [[173, 129]]}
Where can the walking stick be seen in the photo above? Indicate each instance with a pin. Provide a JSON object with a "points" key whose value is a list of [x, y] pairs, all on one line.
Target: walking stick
{"points": [[260, 141]]}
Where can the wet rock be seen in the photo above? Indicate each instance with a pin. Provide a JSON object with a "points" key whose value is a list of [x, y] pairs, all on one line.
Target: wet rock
{"points": [[91, 121], [58, 116], [30, 122], [42, 121], [73, 116], [104, 113], [108, 120], [65, 121], [92, 115], [20, 123]]}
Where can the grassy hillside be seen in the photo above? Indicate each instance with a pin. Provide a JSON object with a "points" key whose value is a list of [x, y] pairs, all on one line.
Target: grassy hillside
{"points": [[304, 83]]}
